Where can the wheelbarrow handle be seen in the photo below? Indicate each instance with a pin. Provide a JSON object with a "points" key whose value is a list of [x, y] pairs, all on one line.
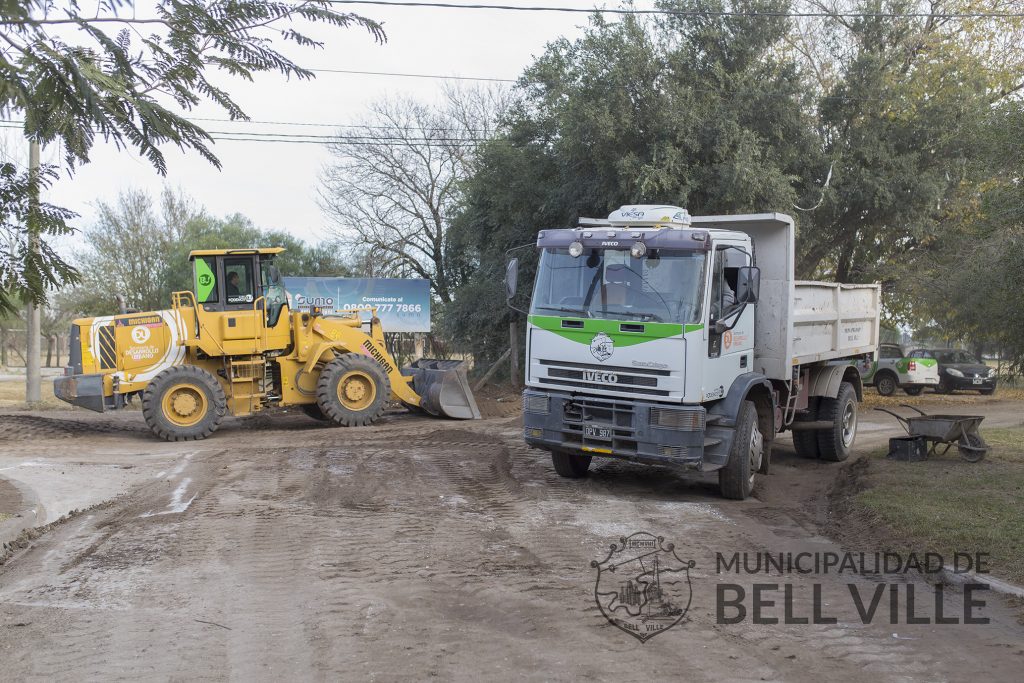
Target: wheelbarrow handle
{"points": [[916, 410], [903, 421]]}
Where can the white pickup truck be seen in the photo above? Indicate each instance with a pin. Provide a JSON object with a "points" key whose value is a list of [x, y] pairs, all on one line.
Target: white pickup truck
{"points": [[662, 338]]}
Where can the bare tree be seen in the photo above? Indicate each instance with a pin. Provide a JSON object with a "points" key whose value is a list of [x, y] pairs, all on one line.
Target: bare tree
{"points": [[394, 182]]}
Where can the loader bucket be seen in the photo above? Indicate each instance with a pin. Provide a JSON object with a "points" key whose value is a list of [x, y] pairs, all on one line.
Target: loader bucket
{"points": [[443, 388]]}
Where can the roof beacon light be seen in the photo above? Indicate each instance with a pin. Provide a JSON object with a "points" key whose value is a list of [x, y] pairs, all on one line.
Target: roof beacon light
{"points": [[576, 249]]}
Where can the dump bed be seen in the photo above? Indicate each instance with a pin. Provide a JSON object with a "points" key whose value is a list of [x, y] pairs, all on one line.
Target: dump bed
{"points": [[800, 322], [831, 320]]}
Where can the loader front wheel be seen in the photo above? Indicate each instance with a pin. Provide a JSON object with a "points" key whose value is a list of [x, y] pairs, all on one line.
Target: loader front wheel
{"points": [[352, 390], [184, 403]]}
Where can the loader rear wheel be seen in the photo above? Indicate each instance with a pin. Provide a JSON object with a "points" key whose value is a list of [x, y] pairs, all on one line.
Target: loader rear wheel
{"points": [[184, 403], [352, 390]]}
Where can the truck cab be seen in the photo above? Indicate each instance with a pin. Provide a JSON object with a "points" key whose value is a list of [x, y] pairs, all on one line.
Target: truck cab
{"points": [[652, 336]]}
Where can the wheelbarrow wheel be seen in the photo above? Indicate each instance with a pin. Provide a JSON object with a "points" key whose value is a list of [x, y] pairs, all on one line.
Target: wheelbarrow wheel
{"points": [[972, 447]]}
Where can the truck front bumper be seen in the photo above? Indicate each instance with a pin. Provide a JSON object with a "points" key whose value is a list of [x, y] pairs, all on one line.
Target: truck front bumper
{"points": [[646, 432]]}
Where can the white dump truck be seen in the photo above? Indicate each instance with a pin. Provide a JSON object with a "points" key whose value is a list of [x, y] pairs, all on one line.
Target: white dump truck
{"points": [[662, 338]]}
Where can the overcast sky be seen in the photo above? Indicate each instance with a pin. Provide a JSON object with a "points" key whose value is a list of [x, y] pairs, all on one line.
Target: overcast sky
{"points": [[275, 184]]}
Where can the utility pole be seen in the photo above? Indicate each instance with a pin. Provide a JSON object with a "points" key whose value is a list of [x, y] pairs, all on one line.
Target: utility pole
{"points": [[32, 391]]}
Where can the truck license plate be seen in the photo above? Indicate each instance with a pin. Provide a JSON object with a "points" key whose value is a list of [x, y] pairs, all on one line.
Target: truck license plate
{"points": [[978, 380], [599, 432]]}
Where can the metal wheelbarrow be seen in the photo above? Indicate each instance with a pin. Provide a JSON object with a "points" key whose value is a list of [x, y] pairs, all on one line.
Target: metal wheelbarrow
{"points": [[946, 430]]}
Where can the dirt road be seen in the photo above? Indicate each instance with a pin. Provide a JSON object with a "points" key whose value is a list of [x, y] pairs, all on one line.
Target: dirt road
{"points": [[414, 549]]}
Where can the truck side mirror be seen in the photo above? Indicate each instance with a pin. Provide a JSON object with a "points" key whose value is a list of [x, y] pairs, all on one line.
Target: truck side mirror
{"points": [[748, 284], [511, 278]]}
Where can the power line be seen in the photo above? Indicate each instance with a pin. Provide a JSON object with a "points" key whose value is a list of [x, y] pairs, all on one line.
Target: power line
{"points": [[411, 75], [688, 13]]}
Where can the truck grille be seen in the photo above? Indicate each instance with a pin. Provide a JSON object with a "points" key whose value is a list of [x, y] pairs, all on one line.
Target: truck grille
{"points": [[640, 381]]}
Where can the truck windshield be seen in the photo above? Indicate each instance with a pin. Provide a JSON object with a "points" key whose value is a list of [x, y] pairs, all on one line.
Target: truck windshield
{"points": [[664, 286]]}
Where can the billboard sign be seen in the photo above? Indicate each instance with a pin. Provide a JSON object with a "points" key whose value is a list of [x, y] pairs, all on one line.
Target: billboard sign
{"points": [[402, 305]]}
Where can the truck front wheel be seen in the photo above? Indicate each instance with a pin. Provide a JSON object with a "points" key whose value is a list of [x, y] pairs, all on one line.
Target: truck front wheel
{"points": [[836, 443], [736, 479], [570, 465]]}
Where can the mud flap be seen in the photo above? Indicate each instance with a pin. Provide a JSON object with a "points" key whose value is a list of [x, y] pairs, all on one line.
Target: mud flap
{"points": [[443, 388]]}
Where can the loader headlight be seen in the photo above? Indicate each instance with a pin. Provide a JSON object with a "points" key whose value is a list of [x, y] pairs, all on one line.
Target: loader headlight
{"points": [[536, 403], [576, 249], [954, 372], [638, 250]]}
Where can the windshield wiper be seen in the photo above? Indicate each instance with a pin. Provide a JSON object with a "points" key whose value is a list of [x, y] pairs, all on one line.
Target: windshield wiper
{"points": [[651, 317], [565, 309]]}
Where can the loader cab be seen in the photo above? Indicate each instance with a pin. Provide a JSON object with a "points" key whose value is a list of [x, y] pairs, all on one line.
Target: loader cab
{"points": [[240, 299]]}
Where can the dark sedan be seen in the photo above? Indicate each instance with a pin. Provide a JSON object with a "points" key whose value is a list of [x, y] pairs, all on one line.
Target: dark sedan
{"points": [[960, 370]]}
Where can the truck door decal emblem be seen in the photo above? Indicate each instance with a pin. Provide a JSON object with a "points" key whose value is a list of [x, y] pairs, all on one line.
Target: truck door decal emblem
{"points": [[602, 346]]}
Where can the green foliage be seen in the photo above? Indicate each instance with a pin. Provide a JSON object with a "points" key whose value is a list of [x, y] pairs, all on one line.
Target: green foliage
{"points": [[28, 264], [972, 277], [693, 111], [126, 74], [116, 84]]}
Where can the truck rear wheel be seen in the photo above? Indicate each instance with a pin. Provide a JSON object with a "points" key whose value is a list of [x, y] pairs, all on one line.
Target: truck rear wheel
{"points": [[184, 403], [570, 465], [736, 479], [805, 441], [836, 443], [352, 390]]}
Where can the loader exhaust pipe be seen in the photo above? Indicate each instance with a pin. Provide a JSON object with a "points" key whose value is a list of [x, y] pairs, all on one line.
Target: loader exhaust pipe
{"points": [[443, 388]]}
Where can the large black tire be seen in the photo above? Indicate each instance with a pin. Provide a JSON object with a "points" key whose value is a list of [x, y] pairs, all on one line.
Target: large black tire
{"points": [[184, 403], [352, 390], [805, 442], [835, 444], [570, 465], [913, 391], [736, 479], [886, 383], [313, 410]]}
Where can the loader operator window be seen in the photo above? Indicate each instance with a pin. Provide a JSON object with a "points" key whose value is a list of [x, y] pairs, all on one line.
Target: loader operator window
{"points": [[238, 280], [206, 280]]}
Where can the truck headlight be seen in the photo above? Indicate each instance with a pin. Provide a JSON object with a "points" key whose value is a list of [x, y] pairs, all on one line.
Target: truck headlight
{"points": [[536, 403], [638, 250], [954, 372], [674, 418], [575, 249]]}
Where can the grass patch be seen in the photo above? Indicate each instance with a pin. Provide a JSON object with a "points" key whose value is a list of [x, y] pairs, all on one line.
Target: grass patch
{"points": [[4, 516], [12, 394], [946, 504]]}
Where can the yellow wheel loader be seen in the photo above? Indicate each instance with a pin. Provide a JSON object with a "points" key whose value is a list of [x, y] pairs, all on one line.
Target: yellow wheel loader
{"points": [[233, 345]]}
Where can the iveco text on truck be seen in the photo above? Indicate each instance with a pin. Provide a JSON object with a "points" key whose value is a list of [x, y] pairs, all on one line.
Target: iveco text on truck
{"points": [[667, 339]]}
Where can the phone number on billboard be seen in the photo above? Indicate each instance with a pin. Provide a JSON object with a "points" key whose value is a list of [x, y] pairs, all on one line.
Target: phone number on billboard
{"points": [[385, 308]]}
